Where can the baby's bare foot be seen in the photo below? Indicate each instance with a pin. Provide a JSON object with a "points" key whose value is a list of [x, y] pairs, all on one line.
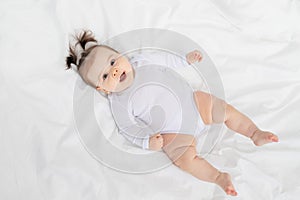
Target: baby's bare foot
{"points": [[224, 181], [260, 138]]}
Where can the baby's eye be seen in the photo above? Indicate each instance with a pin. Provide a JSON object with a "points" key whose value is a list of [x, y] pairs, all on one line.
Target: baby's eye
{"points": [[104, 76], [112, 62]]}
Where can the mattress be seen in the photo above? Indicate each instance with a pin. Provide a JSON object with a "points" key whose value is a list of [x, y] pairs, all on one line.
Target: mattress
{"points": [[253, 46]]}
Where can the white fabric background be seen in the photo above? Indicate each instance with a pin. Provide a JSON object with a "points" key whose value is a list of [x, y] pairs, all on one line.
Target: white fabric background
{"points": [[254, 44]]}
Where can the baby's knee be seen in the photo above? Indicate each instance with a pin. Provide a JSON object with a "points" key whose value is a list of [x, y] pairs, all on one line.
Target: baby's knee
{"points": [[186, 159]]}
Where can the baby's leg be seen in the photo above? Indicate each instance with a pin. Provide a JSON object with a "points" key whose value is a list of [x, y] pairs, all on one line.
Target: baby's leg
{"points": [[181, 149], [214, 110]]}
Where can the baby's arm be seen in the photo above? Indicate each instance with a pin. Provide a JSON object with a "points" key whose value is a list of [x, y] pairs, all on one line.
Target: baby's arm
{"points": [[140, 134], [171, 60], [130, 127], [142, 142], [154, 142]]}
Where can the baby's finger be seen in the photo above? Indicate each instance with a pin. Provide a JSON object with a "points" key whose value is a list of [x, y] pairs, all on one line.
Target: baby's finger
{"points": [[200, 58], [161, 143], [196, 52]]}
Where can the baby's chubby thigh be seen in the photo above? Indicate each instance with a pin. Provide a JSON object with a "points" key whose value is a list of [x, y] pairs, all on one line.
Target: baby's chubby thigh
{"points": [[210, 108], [179, 147]]}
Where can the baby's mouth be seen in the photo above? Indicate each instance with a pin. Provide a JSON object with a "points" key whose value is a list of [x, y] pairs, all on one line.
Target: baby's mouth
{"points": [[123, 76]]}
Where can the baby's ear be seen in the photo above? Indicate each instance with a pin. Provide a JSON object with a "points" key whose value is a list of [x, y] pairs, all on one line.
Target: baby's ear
{"points": [[102, 91], [98, 88]]}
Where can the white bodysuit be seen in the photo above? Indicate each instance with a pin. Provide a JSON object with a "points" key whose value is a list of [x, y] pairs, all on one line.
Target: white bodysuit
{"points": [[158, 101]]}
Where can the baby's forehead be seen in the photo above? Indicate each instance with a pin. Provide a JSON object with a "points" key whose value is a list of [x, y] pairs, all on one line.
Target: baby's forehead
{"points": [[98, 55]]}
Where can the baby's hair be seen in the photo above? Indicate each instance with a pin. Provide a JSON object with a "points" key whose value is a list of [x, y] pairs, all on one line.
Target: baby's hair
{"points": [[82, 39]]}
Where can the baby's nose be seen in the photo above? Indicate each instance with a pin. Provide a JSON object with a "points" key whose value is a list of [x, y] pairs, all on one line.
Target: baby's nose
{"points": [[115, 72]]}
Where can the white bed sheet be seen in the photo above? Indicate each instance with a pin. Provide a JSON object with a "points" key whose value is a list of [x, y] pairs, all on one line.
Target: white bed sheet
{"points": [[254, 44]]}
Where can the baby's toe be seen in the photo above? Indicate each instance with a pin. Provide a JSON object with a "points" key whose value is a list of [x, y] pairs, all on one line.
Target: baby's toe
{"points": [[273, 138], [231, 192]]}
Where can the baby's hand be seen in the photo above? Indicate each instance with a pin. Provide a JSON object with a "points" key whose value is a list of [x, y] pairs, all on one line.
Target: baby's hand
{"points": [[194, 56], [156, 142]]}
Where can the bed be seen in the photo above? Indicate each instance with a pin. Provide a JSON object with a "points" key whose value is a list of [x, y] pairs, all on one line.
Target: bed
{"points": [[253, 45]]}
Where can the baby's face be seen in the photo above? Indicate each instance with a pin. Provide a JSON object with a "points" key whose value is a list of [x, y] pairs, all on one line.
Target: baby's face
{"points": [[107, 70]]}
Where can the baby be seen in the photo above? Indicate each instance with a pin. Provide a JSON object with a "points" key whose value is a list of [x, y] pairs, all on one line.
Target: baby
{"points": [[106, 70]]}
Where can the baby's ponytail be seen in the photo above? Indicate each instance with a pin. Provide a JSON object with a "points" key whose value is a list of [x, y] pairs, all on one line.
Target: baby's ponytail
{"points": [[80, 50], [72, 58]]}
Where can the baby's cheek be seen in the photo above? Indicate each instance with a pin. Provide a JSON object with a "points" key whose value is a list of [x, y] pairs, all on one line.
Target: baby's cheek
{"points": [[111, 84], [125, 63]]}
